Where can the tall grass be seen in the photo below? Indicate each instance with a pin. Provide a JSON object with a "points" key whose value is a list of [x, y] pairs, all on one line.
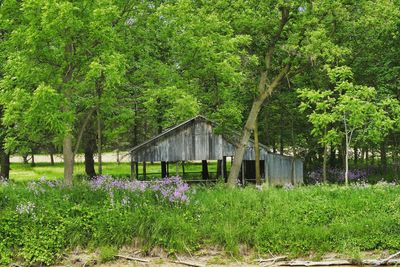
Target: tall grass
{"points": [[38, 225]]}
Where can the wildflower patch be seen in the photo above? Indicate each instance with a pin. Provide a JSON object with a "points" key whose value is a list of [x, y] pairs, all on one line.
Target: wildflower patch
{"points": [[172, 189]]}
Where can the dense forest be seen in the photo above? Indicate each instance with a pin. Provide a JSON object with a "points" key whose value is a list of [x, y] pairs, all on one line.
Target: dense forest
{"points": [[317, 79]]}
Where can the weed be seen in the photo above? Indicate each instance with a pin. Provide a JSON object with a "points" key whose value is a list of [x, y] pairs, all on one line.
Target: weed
{"points": [[107, 253]]}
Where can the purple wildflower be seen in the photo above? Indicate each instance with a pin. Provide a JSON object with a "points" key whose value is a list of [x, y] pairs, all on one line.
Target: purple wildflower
{"points": [[335, 174], [173, 189]]}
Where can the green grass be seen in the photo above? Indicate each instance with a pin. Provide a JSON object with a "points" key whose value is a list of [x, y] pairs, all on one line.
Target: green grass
{"points": [[297, 222], [25, 172]]}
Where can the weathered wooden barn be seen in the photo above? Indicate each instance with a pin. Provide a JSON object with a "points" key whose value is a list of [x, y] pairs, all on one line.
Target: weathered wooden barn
{"points": [[195, 140]]}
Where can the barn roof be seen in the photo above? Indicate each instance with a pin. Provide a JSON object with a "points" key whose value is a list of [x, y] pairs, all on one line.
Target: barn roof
{"points": [[232, 135]]}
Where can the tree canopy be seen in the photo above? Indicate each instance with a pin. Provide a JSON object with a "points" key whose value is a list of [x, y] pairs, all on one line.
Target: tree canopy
{"points": [[87, 76]]}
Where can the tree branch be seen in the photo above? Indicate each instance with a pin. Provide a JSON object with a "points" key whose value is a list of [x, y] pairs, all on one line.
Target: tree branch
{"points": [[270, 50]]}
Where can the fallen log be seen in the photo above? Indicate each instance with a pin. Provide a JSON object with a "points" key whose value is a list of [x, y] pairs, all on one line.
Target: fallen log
{"points": [[190, 263], [275, 259], [316, 263], [385, 262], [132, 258], [381, 262]]}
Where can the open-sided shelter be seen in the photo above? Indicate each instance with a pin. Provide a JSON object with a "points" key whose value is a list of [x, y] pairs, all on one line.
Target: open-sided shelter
{"points": [[195, 140]]}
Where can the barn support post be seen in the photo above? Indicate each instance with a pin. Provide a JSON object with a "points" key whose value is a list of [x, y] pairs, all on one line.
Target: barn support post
{"points": [[219, 171], [137, 170], [204, 170], [226, 179], [133, 175], [163, 169], [243, 171], [183, 168], [144, 170], [167, 168], [224, 169]]}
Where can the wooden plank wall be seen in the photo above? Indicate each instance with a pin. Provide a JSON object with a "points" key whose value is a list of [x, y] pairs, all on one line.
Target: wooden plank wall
{"points": [[195, 141], [283, 170]]}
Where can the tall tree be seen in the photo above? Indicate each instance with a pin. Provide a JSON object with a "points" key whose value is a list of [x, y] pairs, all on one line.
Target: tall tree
{"points": [[64, 47], [353, 111], [287, 37]]}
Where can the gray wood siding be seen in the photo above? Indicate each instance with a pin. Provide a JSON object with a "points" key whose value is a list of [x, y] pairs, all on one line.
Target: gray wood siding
{"points": [[195, 140], [284, 169]]}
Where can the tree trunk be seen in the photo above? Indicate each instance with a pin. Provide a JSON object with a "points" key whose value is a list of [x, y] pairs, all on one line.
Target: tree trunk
{"points": [[249, 126], [52, 151], [99, 92], [257, 154], [33, 164], [342, 155], [324, 164], [395, 165], [281, 146], [346, 173], [4, 165], [367, 159], [383, 157], [89, 161], [265, 89], [51, 158], [68, 152], [25, 159], [355, 156], [118, 160], [395, 157], [68, 159], [88, 137], [4, 156], [332, 157], [362, 156], [99, 144], [372, 156], [267, 135]]}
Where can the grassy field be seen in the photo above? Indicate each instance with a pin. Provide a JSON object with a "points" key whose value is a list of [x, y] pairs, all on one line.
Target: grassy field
{"points": [[40, 221], [25, 172]]}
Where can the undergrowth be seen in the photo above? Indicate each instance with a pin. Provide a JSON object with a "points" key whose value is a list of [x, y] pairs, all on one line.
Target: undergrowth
{"points": [[39, 224]]}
